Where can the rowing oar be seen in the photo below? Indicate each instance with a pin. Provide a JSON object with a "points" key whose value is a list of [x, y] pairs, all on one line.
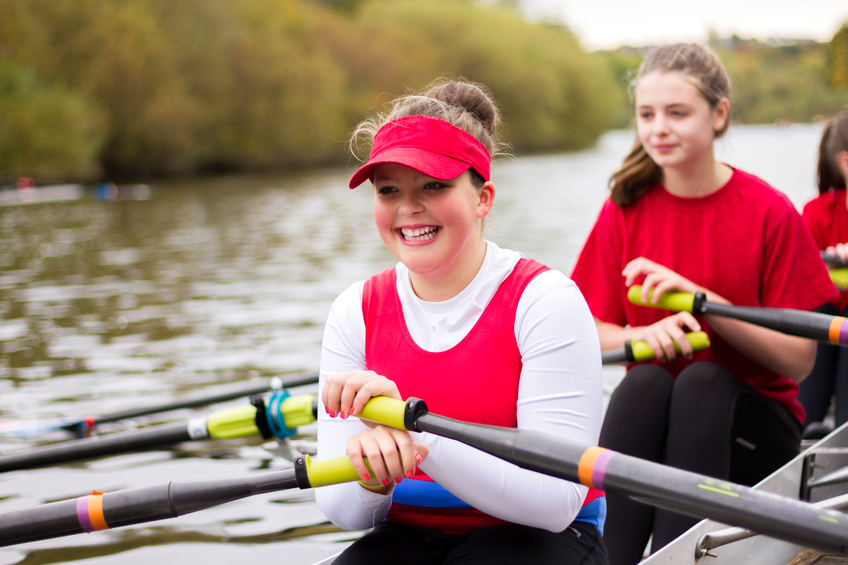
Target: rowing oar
{"points": [[81, 425], [812, 325], [277, 414], [634, 351], [98, 511], [651, 483]]}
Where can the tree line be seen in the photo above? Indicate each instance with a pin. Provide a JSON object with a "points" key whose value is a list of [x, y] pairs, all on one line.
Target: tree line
{"points": [[151, 88], [140, 89]]}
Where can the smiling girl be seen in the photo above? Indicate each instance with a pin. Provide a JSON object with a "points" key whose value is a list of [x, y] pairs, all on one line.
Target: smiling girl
{"points": [[479, 332], [680, 220]]}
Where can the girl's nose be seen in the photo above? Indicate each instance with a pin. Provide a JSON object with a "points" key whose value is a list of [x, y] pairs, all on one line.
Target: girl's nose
{"points": [[660, 124], [410, 204]]}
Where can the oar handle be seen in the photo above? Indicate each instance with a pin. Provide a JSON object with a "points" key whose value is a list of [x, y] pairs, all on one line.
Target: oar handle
{"points": [[839, 276], [286, 413], [643, 352], [320, 473], [393, 413], [674, 301]]}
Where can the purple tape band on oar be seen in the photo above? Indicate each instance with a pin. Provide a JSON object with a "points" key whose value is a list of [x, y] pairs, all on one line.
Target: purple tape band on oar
{"points": [[843, 332], [599, 471], [82, 514]]}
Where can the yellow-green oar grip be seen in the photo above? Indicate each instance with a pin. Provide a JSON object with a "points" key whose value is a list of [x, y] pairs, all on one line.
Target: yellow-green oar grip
{"points": [[384, 410], [642, 352], [233, 422], [332, 471], [297, 410], [839, 277], [675, 301]]}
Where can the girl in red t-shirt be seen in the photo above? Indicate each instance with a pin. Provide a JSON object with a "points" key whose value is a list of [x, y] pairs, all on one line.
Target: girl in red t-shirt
{"points": [[679, 220], [827, 218]]}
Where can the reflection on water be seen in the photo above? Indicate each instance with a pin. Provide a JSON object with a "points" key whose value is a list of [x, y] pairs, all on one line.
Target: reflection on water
{"points": [[109, 305]]}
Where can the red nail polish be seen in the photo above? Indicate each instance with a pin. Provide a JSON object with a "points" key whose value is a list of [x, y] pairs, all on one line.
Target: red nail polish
{"points": [[409, 474], [352, 410], [385, 482], [398, 480], [342, 414], [418, 458], [366, 477], [332, 414]]}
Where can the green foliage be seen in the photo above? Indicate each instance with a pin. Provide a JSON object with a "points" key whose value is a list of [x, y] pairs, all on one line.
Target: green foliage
{"points": [[782, 83], [46, 130], [197, 85], [552, 95], [838, 58]]}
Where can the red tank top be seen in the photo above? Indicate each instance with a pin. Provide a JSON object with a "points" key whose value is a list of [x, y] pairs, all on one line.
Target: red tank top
{"points": [[483, 370]]}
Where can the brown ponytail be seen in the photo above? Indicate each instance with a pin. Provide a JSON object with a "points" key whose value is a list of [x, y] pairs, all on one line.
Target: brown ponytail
{"points": [[639, 172], [834, 141]]}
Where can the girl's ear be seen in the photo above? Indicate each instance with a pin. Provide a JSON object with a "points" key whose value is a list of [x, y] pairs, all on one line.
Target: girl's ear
{"points": [[842, 161], [486, 198], [720, 113]]}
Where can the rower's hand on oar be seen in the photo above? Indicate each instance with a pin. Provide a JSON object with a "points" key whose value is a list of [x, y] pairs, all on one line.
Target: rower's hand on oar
{"points": [[345, 394], [839, 250], [661, 336], [392, 454], [658, 278]]}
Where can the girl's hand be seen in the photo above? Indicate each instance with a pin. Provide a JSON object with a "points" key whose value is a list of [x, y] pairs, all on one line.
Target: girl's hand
{"points": [[661, 336], [345, 394], [392, 454], [661, 279], [839, 250]]}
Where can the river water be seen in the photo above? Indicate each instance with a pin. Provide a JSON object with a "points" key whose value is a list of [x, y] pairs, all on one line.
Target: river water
{"points": [[113, 303]]}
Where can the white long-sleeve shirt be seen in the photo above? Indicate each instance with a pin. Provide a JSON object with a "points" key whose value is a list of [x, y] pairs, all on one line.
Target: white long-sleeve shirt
{"points": [[559, 394]]}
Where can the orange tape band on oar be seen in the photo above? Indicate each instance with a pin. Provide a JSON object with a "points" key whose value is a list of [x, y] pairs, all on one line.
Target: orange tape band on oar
{"points": [[593, 466], [90, 512], [838, 332]]}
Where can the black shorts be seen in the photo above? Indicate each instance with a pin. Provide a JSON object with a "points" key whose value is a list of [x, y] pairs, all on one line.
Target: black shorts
{"points": [[391, 543]]}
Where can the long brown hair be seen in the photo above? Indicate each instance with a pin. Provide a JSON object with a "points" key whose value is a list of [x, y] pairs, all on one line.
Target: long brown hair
{"points": [[639, 172], [834, 141]]}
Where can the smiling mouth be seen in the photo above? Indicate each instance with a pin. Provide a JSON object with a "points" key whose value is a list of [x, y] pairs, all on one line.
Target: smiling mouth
{"points": [[419, 234]]}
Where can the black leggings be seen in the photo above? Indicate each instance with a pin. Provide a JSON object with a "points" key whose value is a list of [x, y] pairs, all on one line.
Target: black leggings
{"points": [[707, 421], [390, 543], [829, 378]]}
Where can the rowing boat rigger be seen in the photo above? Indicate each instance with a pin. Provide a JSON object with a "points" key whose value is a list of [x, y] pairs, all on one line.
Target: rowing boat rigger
{"points": [[819, 474]]}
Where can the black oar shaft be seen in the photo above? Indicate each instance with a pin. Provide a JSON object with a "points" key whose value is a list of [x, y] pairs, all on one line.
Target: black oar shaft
{"points": [[112, 510], [812, 325], [95, 447], [247, 390], [654, 484]]}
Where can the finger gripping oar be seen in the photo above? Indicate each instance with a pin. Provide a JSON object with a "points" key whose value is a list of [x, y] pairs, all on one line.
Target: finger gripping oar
{"points": [[98, 511], [634, 351], [651, 483], [811, 325]]}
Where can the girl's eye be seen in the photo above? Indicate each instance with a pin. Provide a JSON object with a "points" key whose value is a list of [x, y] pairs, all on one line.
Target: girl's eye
{"points": [[645, 115], [433, 185], [386, 190]]}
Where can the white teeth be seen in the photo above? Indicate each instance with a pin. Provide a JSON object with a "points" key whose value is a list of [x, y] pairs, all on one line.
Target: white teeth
{"points": [[419, 234]]}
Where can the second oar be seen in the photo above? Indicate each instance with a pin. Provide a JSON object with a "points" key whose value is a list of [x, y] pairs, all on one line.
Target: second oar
{"points": [[98, 511], [635, 351], [276, 414], [812, 325]]}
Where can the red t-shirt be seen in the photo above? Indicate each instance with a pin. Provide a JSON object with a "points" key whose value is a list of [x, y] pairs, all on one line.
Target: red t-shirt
{"points": [[827, 218], [745, 242]]}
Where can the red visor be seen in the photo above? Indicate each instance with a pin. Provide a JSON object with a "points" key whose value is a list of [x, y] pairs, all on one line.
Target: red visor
{"points": [[428, 145]]}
